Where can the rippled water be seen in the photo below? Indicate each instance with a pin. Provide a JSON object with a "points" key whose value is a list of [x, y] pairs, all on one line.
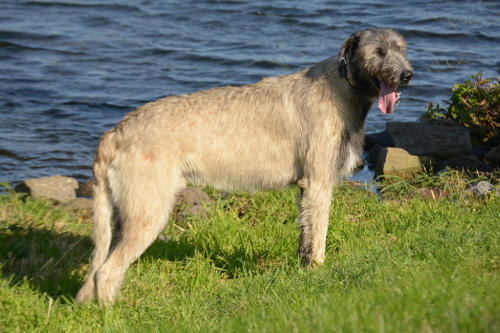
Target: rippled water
{"points": [[69, 70]]}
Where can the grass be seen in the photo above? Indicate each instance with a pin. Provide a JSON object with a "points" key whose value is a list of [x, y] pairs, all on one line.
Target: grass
{"points": [[408, 265]]}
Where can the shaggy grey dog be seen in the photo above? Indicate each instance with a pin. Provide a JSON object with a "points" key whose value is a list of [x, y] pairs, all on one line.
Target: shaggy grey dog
{"points": [[305, 128]]}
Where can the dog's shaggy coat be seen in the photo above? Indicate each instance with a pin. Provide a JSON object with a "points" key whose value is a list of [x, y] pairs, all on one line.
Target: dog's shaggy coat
{"points": [[305, 128]]}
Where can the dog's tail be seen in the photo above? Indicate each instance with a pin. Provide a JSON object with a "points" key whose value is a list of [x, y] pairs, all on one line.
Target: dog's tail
{"points": [[103, 206], [103, 213]]}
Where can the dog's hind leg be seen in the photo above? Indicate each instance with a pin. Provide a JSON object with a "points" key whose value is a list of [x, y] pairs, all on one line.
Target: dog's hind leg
{"points": [[103, 211], [144, 204]]}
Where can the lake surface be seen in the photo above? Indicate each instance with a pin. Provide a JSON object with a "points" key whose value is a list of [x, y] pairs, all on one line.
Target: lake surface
{"points": [[70, 70]]}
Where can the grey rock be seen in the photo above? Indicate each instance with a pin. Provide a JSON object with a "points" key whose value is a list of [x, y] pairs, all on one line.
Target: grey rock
{"points": [[193, 195], [468, 163], [193, 211], [372, 156], [494, 141], [382, 139], [85, 189], [480, 150], [431, 193], [191, 202], [481, 188], [81, 204], [57, 188], [436, 138]]}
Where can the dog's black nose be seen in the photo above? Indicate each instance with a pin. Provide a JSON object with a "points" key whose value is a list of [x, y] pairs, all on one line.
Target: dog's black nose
{"points": [[406, 75]]}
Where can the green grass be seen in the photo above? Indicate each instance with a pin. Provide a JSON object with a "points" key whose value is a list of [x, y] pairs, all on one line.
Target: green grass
{"points": [[392, 266]]}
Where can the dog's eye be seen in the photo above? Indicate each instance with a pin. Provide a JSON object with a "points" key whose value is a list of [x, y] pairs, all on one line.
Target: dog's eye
{"points": [[381, 52]]}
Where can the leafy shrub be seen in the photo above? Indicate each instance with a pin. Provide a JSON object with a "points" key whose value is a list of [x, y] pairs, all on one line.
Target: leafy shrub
{"points": [[475, 105]]}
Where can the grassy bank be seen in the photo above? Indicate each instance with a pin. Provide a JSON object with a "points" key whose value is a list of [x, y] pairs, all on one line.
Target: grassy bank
{"points": [[397, 265]]}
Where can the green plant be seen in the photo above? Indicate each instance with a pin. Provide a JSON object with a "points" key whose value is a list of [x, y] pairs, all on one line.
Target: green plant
{"points": [[475, 105]]}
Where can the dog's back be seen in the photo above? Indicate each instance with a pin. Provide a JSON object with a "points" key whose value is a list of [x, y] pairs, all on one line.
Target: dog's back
{"points": [[247, 137]]}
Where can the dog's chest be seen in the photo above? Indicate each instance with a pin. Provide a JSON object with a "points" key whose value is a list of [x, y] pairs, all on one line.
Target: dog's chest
{"points": [[350, 150]]}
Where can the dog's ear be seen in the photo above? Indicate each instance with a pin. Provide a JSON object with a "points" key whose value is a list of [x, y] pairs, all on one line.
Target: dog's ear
{"points": [[349, 46]]}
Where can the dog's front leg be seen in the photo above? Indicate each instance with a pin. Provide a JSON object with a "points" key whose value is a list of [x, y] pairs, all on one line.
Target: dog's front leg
{"points": [[313, 219]]}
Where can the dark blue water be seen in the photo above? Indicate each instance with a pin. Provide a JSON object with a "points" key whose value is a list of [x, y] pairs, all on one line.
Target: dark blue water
{"points": [[69, 70]]}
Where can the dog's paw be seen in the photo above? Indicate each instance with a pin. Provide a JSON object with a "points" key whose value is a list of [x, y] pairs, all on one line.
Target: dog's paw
{"points": [[314, 263]]}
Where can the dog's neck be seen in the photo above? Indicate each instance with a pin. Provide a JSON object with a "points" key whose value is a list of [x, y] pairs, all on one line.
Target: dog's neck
{"points": [[347, 73], [358, 79], [366, 90]]}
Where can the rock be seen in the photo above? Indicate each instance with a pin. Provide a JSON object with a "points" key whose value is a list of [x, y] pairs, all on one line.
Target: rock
{"points": [[468, 163], [381, 139], [397, 161], [85, 189], [81, 204], [192, 211], [57, 188], [82, 207], [372, 156], [494, 141], [480, 150], [191, 202], [494, 155], [430, 137], [193, 195], [481, 188], [431, 193]]}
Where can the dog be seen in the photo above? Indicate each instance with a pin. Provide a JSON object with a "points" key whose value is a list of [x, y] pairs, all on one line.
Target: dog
{"points": [[305, 128]]}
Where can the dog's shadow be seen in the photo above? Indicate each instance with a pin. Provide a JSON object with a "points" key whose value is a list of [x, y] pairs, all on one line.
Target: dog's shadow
{"points": [[51, 262], [56, 264], [230, 261]]}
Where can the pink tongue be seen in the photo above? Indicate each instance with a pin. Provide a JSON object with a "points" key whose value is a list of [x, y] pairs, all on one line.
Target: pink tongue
{"points": [[387, 98]]}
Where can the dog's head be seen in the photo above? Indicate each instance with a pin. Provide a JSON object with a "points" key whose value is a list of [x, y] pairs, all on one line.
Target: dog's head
{"points": [[375, 60]]}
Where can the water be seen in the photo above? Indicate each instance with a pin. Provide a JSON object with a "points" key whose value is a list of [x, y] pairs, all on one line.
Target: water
{"points": [[70, 69]]}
